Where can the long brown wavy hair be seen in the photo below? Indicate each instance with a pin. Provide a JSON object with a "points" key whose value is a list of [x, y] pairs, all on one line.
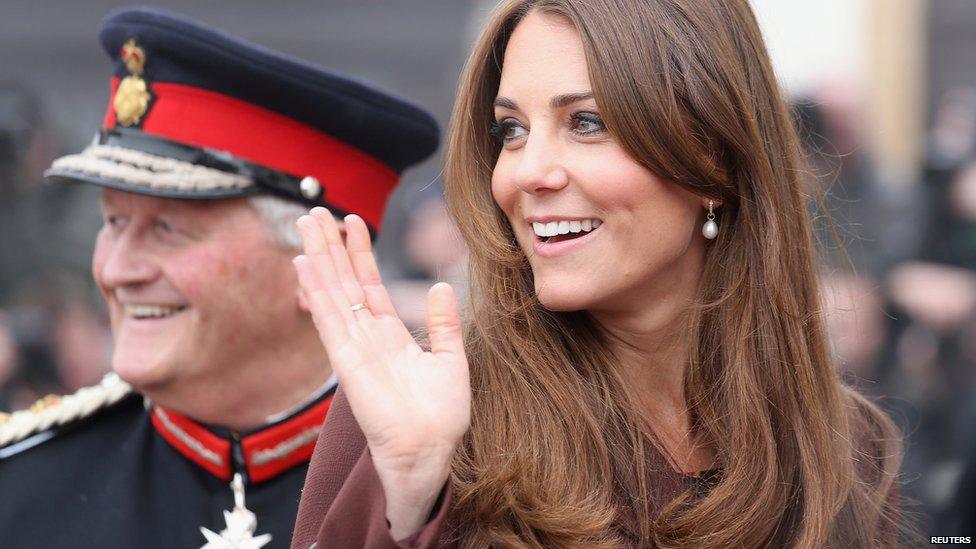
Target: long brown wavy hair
{"points": [[557, 448]]}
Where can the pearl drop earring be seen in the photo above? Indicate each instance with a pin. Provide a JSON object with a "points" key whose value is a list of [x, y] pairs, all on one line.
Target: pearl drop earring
{"points": [[710, 228]]}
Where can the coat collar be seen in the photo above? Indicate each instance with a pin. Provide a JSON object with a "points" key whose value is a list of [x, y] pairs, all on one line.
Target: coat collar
{"points": [[260, 454], [665, 484]]}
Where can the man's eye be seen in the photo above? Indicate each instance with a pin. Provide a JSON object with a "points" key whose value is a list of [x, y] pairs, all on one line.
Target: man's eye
{"points": [[115, 221], [587, 123], [165, 227], [507, 130]]}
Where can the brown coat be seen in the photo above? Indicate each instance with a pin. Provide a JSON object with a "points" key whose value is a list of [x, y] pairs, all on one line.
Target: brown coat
{"points": [[343, 505]]}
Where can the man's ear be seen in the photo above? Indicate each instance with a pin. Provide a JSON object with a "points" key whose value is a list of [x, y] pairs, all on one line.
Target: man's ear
{"points": [[303, 301], [303, 304]]}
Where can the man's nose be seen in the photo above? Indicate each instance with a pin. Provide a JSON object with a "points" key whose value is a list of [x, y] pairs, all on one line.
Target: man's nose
{"points": [[540, 169], [124, 260]]}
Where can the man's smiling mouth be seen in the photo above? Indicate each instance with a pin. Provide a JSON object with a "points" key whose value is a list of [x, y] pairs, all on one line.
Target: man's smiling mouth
{"points": [[141, 312]]}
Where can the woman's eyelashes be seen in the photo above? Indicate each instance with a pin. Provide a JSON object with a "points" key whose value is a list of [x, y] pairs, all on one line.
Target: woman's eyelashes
{"points": [[507, 130], [587, 124], [581, 124]]}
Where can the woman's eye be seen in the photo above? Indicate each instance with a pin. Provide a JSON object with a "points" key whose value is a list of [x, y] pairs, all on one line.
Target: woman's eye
{"points": [[587, 123], [507, 130]]}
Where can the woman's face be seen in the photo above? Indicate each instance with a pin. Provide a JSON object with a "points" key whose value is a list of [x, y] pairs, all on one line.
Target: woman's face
{"points": [[601, 232]]}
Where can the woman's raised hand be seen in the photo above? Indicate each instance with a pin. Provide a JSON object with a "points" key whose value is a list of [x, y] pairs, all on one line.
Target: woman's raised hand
{"points": [[412, 405]]}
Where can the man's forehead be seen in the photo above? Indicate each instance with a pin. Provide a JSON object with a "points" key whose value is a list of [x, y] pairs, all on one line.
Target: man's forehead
{"points": [[114, 198]]}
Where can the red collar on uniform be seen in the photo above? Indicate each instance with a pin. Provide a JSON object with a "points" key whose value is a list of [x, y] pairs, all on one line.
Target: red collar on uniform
{"points": [[266, 452]]}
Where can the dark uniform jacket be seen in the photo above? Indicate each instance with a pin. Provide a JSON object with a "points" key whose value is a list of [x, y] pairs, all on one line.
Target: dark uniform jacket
{"points": [[135, 475]]}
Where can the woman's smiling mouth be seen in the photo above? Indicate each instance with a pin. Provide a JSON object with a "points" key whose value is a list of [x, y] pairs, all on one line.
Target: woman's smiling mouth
{"points": [[553, 236]]}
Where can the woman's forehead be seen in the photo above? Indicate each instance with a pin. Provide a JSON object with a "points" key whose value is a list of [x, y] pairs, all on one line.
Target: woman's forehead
{"points": [[544, 54]]}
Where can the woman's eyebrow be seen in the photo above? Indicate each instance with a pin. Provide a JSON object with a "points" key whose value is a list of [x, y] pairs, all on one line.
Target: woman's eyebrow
{"points": [[505, 103], [566, 99], [556, 102]]}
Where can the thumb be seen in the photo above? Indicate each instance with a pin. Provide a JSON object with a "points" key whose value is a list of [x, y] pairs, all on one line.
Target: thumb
{"points": [[443, 321]]}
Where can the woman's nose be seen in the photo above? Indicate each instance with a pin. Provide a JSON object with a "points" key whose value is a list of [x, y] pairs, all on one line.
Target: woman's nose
{"points": [[540, 168]]}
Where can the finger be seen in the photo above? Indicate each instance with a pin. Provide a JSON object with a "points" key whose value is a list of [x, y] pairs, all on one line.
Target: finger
{"points": [[313, 244], [322, 276], [444, 322], [340, 257], [332, 329], [364, 266], [313, 238]]}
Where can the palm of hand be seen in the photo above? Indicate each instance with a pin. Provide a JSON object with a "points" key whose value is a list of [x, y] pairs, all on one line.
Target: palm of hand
{"points": [[412, 405]]}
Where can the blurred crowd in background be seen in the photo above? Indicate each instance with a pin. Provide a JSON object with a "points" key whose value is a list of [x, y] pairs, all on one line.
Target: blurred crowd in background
{"points": [[898, 236]]}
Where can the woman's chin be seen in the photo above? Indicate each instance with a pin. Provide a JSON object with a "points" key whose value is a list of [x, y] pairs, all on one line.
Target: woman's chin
{"points": [[562, 300]]}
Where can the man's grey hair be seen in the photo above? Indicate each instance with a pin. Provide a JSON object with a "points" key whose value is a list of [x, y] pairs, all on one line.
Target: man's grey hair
{"points": [[279, 217]]}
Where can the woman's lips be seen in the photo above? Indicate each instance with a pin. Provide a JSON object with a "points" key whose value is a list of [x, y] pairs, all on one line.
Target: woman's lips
{"points": [[550, 249]]}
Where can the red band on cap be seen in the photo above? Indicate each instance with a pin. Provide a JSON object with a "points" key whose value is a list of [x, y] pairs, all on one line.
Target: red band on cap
{"points": [[352, 180]]}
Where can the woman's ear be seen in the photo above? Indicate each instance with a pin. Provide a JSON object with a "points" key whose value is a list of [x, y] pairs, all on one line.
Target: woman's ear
{"points": [[716, 203]]}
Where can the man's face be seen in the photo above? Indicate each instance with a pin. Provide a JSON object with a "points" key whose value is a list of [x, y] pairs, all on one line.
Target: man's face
{"points": [[195, 289]]}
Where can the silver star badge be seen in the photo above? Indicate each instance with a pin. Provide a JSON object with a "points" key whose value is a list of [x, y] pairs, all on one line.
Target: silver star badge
{"points": [[241, 525]]}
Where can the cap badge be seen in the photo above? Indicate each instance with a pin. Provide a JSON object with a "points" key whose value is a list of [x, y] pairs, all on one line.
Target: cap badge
{"points": [[132, 96]]}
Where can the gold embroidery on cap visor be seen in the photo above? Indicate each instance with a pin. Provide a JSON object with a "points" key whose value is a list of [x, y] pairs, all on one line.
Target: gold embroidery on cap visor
{"points": [[132, 97]]}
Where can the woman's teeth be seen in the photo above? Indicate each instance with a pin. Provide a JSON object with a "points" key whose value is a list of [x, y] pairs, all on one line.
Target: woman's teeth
{"points": [[555, 228], [151, 311]]}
